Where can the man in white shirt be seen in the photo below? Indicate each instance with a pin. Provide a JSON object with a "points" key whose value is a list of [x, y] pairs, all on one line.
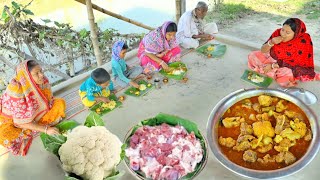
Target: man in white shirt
{"points": [[192, 28]]}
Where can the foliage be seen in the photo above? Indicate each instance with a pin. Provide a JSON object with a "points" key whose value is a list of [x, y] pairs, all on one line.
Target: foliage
{"points": [[54, 43], [226, 13], [17, 10], [52, 143], [66, 125], [231, 10], [311, 9], [93, 119]]}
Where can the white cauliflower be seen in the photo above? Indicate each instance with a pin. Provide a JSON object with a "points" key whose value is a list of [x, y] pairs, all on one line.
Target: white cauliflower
{"points": [[92, 153]]}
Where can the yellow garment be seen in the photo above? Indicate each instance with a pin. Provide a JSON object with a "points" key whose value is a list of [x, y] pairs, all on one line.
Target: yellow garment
{"points": [[88, 103], [10, 133]]}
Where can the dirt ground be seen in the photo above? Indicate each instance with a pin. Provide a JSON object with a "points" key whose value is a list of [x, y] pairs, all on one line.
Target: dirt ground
{"points": [[258, 28]]}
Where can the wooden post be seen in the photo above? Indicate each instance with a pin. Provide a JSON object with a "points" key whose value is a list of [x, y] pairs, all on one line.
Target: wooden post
{"points": [[183, 6], [93, 33], [180, 8]]}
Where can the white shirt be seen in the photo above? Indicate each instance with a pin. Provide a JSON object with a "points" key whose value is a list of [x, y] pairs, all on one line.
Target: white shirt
{"points": [[186, 27]]}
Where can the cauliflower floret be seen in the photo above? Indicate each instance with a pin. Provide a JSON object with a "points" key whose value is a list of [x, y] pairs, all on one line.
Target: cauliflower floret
{"points": [[249, 156], [278, 139], [230, 122], [91, 153], [265, 148], [263, 128], [280, 106], [267, 140], [299, 127], [290, 134], [265, 100]]}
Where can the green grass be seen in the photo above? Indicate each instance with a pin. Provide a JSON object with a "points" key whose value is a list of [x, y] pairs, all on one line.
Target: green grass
{"points": [[311, 9], [231, 10], [228, 12]]}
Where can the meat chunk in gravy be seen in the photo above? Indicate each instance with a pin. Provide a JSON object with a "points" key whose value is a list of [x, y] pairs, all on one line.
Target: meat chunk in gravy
{"points": [[250, 156], [286, 157], [227, 142]]}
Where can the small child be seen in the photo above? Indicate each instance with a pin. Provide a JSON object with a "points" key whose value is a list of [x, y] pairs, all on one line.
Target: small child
{"points": [[96, 88], [122, 74]]}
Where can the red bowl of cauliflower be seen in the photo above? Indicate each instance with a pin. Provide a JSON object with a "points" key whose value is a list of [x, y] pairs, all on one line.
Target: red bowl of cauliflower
{"points": [[165, 147]]}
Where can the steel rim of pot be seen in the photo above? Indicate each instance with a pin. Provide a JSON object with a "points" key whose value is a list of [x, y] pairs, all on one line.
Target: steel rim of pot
{"points": [[241, 94]]}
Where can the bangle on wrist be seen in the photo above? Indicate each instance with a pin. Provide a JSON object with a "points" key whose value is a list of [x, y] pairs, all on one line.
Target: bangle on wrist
{"points": [[46, 129], [272, 65], [270, 44]]}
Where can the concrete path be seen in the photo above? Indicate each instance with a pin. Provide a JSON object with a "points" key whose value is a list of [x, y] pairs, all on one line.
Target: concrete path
{"points": [[209, 81]]}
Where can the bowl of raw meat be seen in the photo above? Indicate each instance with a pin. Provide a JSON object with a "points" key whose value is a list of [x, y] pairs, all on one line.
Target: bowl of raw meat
{"points": [[165, 147]]}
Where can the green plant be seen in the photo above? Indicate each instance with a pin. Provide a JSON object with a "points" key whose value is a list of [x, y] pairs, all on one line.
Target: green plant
{"points": [[16, 10]]}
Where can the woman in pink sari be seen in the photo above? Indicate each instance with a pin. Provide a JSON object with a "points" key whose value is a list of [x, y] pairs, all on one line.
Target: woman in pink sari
{"points": [[287, 56], [159, 48]]}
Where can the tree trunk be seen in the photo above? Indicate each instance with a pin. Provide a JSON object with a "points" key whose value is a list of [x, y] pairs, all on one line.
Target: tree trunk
{"points": [[93, 33]]}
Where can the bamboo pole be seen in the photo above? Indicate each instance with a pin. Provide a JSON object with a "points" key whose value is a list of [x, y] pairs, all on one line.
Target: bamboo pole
{"points": [[117, 15], [93, 33], [178, 10]]}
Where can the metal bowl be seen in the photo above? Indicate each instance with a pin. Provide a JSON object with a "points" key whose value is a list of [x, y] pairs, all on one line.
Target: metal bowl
{"points": [[138, 176], [227, 102]]}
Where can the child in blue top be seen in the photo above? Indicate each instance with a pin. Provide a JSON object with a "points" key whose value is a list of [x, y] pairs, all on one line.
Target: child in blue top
{"points": [[122, 74], [96, 88]]}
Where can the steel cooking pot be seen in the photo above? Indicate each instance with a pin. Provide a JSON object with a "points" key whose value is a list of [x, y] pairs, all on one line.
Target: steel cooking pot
{"points": [[227, 102]]}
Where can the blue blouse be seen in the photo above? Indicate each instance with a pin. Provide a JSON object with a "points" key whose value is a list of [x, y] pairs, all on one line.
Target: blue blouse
{"points": [[91, 87], [118, 69]]}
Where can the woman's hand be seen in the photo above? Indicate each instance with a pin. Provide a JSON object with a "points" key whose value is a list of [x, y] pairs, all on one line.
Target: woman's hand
{"points": [[52, 131], [275, 65], [277, 40], [209, 37], [134, 84], [267, 68], [103, 99], [164, 65], [163, 53]]}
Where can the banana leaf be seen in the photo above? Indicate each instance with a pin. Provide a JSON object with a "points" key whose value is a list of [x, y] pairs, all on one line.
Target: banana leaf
{"points": [[170, 120], [103, 110], [218, 50], [52, 143], [67, 125], [93, 119], [114, 175], [131, 91], [175, 65], [246, 76]]}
